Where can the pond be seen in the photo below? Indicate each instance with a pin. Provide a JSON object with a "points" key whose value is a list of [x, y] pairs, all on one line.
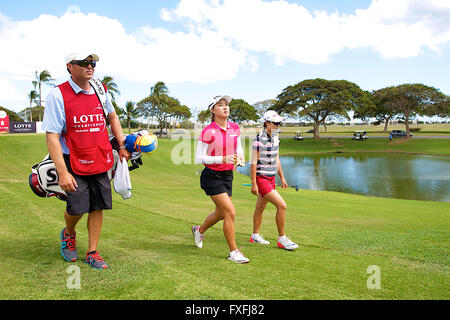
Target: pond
{"points": [[393, 175]]}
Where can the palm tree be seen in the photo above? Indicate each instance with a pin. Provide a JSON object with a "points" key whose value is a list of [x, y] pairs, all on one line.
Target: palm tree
{"points": [[158, 94], [43, 77], [111, 86], [130, 112], [32, 96], [159, 89], [152, 105]]}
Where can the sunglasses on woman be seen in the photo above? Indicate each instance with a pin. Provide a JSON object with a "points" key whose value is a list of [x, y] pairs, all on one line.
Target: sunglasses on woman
{"points": [[84, 63], [276, 123]]}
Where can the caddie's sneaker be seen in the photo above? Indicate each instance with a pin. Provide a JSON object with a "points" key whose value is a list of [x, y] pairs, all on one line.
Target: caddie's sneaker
{"points": [[238, 257], [94, 259], [285, 243], [198, 237], [68, 248], [256, 237]]}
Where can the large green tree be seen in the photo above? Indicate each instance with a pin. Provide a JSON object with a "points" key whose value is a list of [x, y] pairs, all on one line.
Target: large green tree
{"points": [[168, 109], [415, 99], [150, 106], [262, 106], [382, 108], [204, 116], [161, 106], [240, 110], [181, 112], [318, 99]]}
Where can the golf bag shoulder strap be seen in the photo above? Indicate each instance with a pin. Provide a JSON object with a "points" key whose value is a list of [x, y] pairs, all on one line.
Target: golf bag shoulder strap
{"points": [[100, 91]]}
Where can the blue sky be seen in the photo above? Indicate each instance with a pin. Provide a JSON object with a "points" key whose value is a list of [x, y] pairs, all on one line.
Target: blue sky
{"points": [[249, 49]]}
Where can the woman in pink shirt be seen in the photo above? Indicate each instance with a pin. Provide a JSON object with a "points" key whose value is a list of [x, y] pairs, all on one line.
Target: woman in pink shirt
{"points": [[219, 148]]}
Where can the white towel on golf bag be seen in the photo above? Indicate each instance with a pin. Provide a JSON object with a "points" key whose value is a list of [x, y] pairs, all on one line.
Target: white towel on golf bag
{"points": [[122, 181]]}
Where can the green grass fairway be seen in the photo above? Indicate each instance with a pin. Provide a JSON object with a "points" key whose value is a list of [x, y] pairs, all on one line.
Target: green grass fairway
{"points": [[148, 244]]}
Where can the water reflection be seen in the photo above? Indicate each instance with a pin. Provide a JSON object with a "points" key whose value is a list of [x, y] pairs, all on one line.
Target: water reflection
{"points": [[385, 175]]}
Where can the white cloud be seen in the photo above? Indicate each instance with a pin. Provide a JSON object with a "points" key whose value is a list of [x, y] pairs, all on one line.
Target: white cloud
{"points": [[399, 29], [184, 57], [148, 55], [288, 31]]}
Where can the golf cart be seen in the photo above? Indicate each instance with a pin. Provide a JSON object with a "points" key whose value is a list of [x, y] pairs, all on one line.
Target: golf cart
{"points": [[298, 136], [359, 135]]}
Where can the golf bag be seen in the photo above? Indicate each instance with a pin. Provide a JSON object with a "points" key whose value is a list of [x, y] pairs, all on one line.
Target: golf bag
{"points": [[44, 181]]}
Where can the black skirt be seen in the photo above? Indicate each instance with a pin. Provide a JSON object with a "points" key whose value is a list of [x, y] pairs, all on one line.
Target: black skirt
{"points": [[216, 182]]}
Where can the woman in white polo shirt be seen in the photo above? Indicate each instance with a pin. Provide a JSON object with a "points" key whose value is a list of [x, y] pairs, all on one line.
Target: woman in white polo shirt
{"points": [[219, 148], [265, 164]]}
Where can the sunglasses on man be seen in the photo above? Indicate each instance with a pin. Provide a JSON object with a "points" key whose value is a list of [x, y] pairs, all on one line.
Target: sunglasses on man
{"points": [[276, 123], [84, 63]]}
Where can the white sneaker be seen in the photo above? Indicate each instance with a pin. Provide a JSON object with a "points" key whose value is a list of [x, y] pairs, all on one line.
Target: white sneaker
{"points": [[198, 237], [258, 239], [238, 257], [285, 243]]}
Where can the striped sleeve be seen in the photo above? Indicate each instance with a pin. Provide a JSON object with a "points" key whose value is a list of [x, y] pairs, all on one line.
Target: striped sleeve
{"points": [[256, 145]]}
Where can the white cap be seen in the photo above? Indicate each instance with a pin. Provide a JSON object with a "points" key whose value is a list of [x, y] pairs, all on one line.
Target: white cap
{"points": [[217, 99], [272, 116], [80, 56]]}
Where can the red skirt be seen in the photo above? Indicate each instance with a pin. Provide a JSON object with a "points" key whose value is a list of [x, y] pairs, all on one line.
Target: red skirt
{"points": [[265, 184]]}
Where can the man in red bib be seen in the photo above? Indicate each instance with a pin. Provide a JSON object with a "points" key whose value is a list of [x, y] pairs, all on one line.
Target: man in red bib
{"points": [[78, 143]]}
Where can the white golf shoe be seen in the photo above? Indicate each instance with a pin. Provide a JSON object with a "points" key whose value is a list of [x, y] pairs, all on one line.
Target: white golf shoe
{"points": [[198, 237], [238, 257], [257, 238], [285, 243]]}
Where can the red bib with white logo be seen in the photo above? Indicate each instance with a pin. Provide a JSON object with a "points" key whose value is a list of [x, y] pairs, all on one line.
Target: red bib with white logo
{"points": [[87, 134]]}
